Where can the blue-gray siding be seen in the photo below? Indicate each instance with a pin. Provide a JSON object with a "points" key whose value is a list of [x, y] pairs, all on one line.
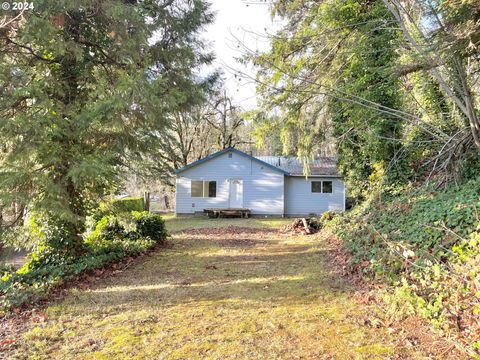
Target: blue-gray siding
{"points": [[299, 199], [263, 187]]}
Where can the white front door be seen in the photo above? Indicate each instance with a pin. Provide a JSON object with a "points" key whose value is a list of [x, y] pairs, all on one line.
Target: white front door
{"points": [[236, 194]]}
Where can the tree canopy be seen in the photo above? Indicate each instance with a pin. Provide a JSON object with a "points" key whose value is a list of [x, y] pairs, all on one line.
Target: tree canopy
{"points": [[393, 85], [87, 87]]}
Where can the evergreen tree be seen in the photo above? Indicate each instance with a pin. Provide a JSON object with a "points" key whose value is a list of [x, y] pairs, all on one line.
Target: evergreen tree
{"points": [[85, 86]]}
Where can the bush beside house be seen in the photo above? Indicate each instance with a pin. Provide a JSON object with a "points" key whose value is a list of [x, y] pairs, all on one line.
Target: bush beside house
{"points": [[122, 231]]}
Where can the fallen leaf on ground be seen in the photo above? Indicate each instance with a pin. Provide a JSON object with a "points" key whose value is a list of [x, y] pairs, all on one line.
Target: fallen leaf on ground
{"points": [[7, 342]]}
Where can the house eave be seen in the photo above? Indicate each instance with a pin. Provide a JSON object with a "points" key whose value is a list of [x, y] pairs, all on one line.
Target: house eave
{"points": [[316, 176], [224, 151]]}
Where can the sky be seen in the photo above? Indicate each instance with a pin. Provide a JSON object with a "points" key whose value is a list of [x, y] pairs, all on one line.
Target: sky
{"points": [[245, 21]]}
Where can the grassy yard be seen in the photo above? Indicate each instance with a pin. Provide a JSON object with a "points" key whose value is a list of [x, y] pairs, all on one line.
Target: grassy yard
{"points": [[176, 224], [218, 292]]}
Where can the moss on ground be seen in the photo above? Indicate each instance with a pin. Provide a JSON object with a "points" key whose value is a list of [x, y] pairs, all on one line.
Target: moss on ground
{"points": [[219, 292]]}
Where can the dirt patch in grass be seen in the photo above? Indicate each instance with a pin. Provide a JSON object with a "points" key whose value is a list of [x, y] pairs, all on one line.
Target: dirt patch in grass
{"points": [[231, 231], [221, 293], [232, 236]]}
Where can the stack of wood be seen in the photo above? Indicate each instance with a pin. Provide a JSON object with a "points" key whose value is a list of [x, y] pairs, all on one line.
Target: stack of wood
{"points": [[303, 225]]}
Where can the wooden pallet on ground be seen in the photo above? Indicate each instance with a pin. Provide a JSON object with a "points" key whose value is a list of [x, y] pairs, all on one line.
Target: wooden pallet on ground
{"points": [[229, 212]]}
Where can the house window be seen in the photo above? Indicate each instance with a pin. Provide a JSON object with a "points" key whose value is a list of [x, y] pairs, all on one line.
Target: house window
{"points": [[197, 188], [212, 189], [316, 186], [325, 187], [204, 188]]}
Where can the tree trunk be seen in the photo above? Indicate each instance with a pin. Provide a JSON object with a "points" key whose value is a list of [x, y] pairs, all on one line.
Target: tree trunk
{"points": [[469, 100], [19, 213], [77, 225], [167, 204]]}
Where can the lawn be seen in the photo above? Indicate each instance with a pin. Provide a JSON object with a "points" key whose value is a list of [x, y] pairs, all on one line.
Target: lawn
{"points": [[176, 224], [222, 289]]}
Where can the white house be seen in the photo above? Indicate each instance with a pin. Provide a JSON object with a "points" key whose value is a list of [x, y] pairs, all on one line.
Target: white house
{"points": [[266, 185]]}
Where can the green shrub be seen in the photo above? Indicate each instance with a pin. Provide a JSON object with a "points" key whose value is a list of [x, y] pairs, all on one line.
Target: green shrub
{"points": [[126, 205], [327, 216], [134, 225], [108, 228], [150, 225], [114, 238], [54, 235], [116, 207]]}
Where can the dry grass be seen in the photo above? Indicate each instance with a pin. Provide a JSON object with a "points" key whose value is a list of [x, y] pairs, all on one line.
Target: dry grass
{"points": [[219, 292]]}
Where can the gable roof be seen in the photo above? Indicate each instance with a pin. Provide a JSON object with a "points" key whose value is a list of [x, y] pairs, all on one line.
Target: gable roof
{"points": [[321, 166], [224, 151]]}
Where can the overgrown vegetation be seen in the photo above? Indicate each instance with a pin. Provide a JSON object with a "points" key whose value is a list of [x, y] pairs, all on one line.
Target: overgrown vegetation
{"points": [[89, 89], [392, 89], [386, 85], [116, 235], [426, 245]]}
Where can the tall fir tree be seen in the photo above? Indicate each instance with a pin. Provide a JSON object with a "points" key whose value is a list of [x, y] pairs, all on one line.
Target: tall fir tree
{"points": [[85, 86]]}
